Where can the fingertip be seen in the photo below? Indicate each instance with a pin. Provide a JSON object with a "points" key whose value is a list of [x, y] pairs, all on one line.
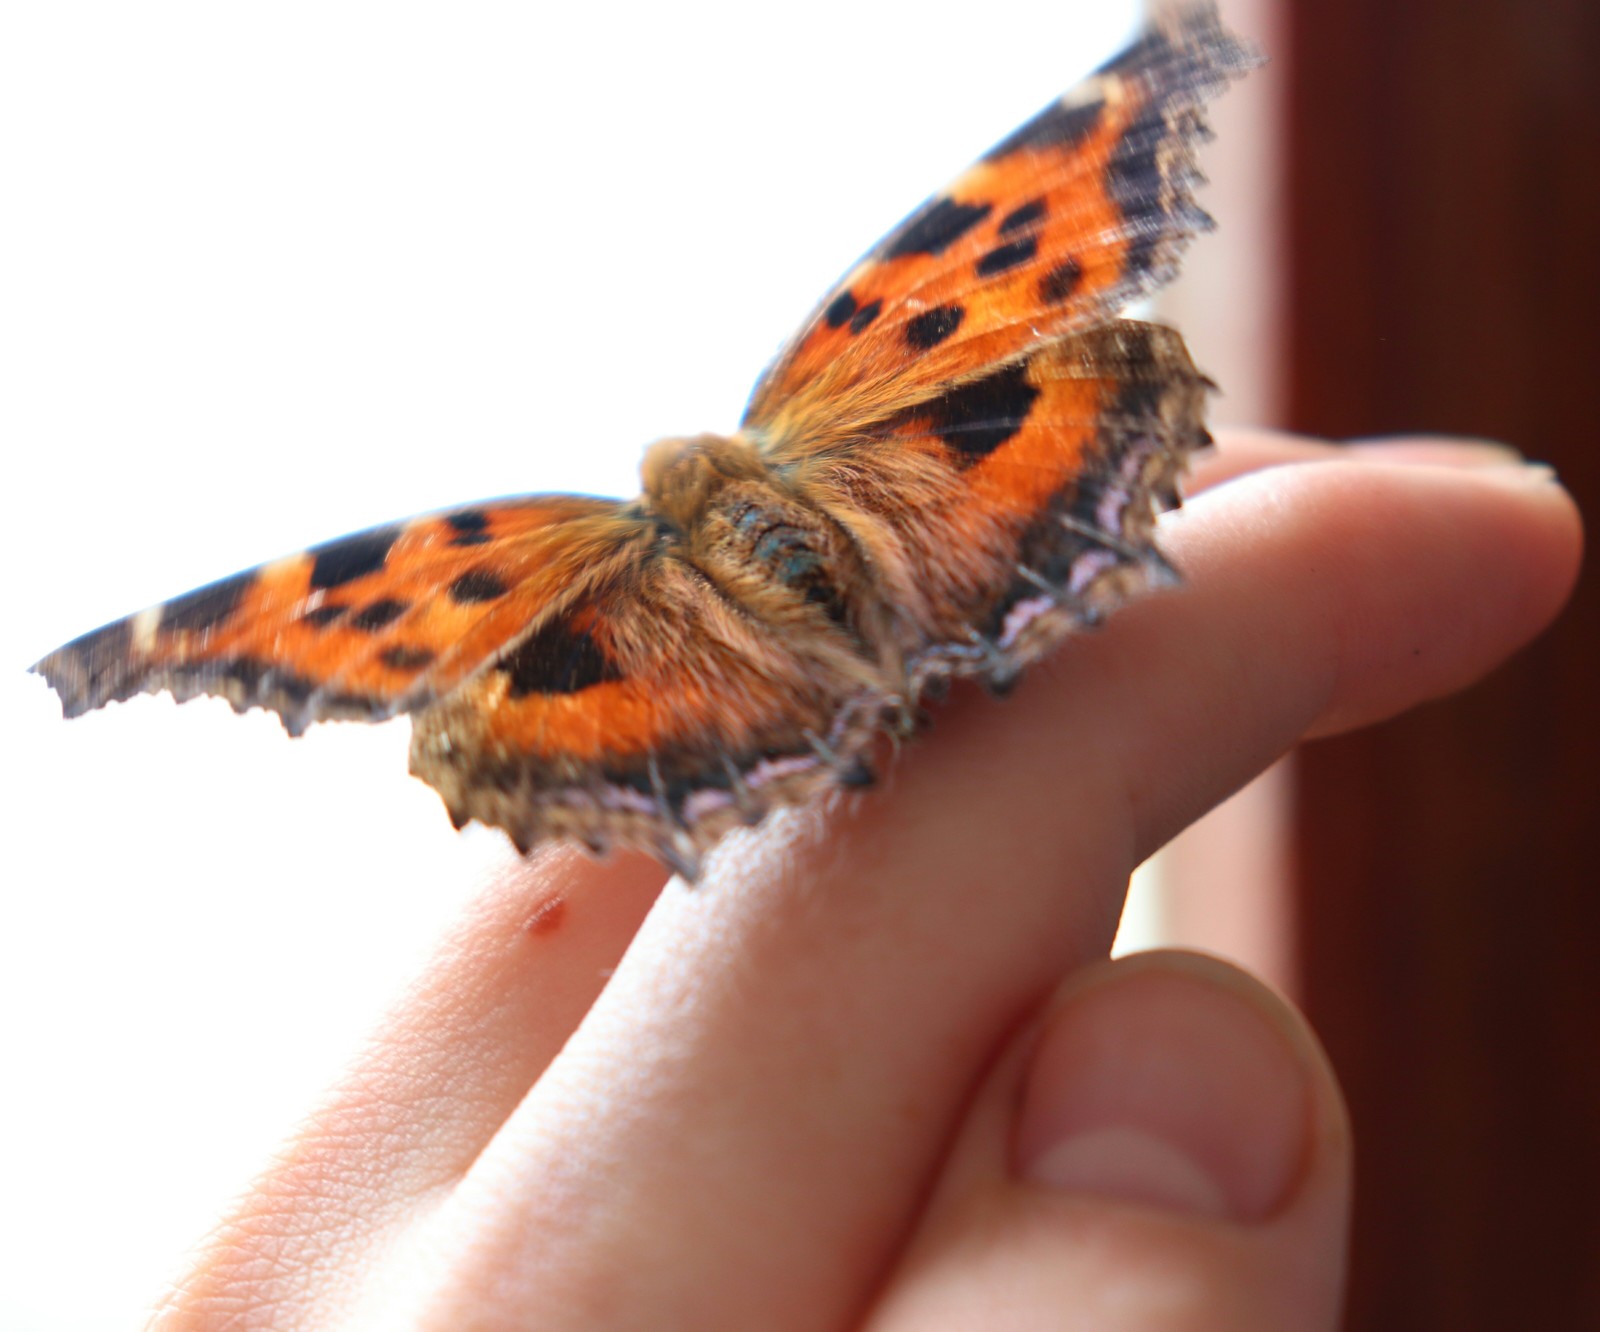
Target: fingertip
{"points": [[1375, 579], [1174, 1080], [1178, 1158], [1227, 1076], [1495, 555]]}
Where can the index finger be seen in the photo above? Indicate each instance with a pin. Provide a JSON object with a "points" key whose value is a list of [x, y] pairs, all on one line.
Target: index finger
{"points": [[772, 1072]]}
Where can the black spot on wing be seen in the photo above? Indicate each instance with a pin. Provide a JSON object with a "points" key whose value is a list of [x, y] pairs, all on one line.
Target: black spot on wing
{"points": [[476, 585], [468, 520], [1019, 218], [403, 657], [976, 419], [348, 558], [932, 327], [556, 659], [839, 310], [1060, 282], [205, 607], [934, 228], [324, 615], [378, 614], [470, 525], [1058, 126], [865, 315], [1005, 257]]}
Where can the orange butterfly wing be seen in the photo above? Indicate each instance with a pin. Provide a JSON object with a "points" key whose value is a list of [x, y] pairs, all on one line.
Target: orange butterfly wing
{"points": [[368, 626], [967, 401], [656, 712], [958, 460], [564, 676], [1060, 225], [1023, 502]]}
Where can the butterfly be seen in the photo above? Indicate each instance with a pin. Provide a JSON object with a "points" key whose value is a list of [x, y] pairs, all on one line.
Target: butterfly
{"points": [[957, 462]]}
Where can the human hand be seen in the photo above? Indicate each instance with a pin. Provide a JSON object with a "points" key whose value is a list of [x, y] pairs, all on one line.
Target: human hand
{"points": [[876, 1070]]}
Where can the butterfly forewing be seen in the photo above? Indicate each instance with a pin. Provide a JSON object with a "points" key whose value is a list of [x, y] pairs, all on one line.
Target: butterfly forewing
{"points": [[1059, 226]]}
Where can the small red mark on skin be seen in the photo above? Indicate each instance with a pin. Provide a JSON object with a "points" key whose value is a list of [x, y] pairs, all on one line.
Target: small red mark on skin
{"points": [[548, 916]]}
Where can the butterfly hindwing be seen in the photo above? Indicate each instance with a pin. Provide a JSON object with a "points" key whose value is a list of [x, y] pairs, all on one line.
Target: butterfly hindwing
{"points": [[1041, 479], [652, 713]]}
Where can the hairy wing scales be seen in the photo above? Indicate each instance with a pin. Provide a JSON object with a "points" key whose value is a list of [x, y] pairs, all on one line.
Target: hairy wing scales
{"points": [[972, 485], [652, 715]]}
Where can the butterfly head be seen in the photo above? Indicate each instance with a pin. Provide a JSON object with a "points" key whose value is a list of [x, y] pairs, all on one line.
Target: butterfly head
{"points": [[682, 478]]}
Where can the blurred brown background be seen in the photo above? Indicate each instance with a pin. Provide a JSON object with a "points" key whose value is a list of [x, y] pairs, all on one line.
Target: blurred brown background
{"points": [[1414, 192]]}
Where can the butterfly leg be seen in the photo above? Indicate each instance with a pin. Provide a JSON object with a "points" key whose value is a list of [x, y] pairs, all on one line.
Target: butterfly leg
{"points": [[751, 810], [681, 861], [997, 669], [851, 772], [1158, 568], [675, 847]]}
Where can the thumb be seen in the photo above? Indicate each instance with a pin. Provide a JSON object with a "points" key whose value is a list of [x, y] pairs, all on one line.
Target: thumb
{"points": [[1166, 1149]]}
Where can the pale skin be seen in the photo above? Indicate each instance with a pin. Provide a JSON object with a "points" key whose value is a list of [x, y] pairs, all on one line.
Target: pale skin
{"points": [[876, 1071]]}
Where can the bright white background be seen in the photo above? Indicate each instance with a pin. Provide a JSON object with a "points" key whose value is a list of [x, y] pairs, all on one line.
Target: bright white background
{"points": [[272, 273]]}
